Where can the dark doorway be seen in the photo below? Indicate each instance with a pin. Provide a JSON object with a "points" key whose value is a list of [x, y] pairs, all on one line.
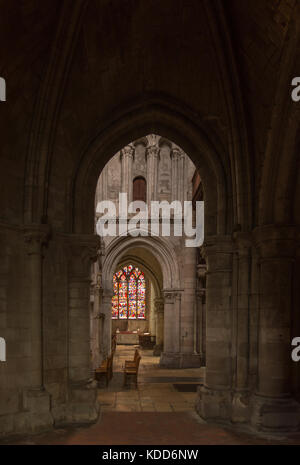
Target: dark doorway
{"points": [[139, 189]]}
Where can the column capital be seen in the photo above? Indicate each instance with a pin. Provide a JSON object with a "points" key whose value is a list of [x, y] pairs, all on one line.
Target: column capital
{"points": [[159, 305], [170, 295], [276, 241], [243, 241], [152, 151], [127, 151], [35, 236], [82, 250], [97, 289], [201, 270], [107, 295], [100, 316], [87, 244], [164, 142], [217, 244], [176, 152], [218, 252], [142, 141]]}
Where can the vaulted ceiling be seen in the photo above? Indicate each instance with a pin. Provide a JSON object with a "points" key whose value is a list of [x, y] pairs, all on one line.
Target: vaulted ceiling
{"points": [[71, 66]]}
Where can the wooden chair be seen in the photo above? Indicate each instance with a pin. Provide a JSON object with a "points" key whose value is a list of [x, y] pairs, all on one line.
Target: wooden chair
{"points": [[132, 371], [106, 369], [132, 363], [113, 343]]}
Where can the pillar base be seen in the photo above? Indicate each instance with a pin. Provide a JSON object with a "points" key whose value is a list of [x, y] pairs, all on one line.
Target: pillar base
{"points": [[157, 350], [275, 414], [240, 407], [83, 406], [214, 404], [169, 360], [35, 416], [179, 360]]}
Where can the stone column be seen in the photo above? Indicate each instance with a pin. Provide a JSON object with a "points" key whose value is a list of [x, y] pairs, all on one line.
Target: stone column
{"points": [[35, 237], [215, 397], [101, 318], [104, 184], [182, 177], [101, 190], [152, 156], [241, 326], [200, 294], [36, 400], [273, 405], [106, 307], [188, 356], [159, 314], [175, 156], [254, 318], [172, 308], [96, 325], [83, 404], [127, 155]]}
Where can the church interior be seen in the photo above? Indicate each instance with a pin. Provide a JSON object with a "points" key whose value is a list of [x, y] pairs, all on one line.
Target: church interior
{"points": [[165, 101]]}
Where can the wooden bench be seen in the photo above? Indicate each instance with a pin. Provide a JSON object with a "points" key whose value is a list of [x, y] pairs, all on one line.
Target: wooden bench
{"points": [[106, 369], [132, 363], [132, 371]]}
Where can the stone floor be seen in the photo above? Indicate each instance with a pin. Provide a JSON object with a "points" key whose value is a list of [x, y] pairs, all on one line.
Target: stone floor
{"points": [[159, 412], [156, 391]]}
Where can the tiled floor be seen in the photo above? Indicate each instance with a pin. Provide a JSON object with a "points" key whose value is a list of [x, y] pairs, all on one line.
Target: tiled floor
{"points": [[156, 413], [156, 391]]}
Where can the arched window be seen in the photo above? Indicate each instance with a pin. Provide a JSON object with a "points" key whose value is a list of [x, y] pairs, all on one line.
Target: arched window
{"points": [[139, 189], [129, 299]]}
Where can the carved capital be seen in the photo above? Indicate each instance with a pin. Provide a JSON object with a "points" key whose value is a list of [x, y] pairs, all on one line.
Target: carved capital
{"points": [[152, 151], [127, 151], [164, 142], [106, 297], [142, 141], [218, 252], [82, 252], [159, 305], [201, 271], [175, 153], [170, 295], [243, 243], [100, 316], [35, 236]]}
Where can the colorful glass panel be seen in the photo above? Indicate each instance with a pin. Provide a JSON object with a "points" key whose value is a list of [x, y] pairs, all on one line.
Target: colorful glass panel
{"points": [[132, 295], [129, 299], [123, 297], [141, 297]]}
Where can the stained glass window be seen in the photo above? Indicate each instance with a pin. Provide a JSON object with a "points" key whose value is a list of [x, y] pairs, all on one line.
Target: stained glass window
{"points": [[129, 299]]}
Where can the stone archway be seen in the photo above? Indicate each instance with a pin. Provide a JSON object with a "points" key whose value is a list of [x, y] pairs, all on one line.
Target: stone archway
{"points": [[152, 271], [165, 257]]}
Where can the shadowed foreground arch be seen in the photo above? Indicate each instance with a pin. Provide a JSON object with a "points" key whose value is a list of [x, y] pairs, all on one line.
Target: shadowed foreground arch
{"points": [[153, 117]]}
